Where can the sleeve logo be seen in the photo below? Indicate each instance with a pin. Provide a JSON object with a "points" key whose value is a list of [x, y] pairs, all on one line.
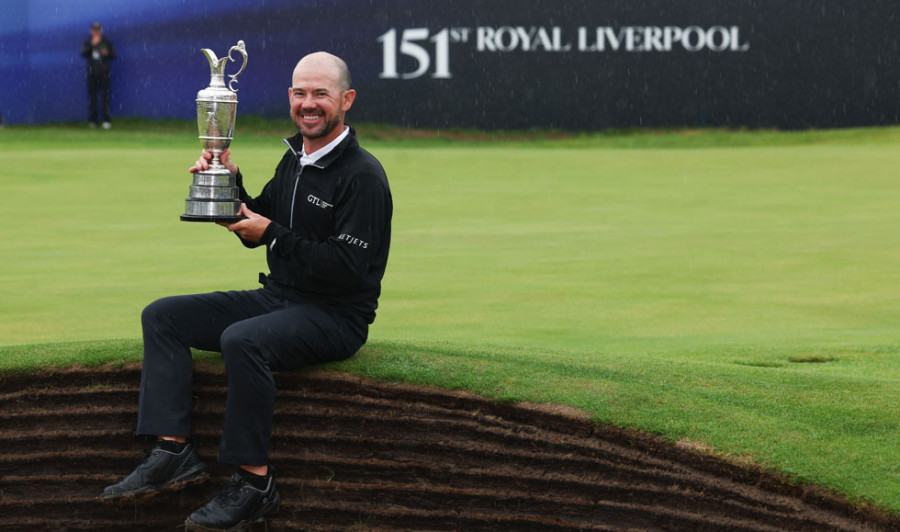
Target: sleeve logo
{"points": [[352, 240]]}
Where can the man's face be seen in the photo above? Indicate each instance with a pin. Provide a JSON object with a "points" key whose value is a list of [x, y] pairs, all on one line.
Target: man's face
{"points": [[317, 102]]}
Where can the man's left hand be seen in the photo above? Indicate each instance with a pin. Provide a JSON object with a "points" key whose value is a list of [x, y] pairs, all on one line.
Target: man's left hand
{"points": [[251, 228]]}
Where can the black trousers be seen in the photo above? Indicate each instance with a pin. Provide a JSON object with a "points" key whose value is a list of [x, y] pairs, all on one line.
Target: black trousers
{"points": [[98, 86], [257, 333]]}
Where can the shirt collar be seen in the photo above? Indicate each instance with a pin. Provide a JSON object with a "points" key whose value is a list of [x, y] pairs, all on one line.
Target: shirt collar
{"points": [[313, 158]]}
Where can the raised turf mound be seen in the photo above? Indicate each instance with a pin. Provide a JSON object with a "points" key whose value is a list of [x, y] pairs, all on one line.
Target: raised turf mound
{"points": [[353, 454]]}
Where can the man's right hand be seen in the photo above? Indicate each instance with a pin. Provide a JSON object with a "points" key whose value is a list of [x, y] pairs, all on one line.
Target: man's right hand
{"points": [[205, 158]]}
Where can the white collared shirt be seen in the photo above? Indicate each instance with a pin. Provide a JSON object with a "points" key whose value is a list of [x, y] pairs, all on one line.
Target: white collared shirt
{"points": [[314, 157]]}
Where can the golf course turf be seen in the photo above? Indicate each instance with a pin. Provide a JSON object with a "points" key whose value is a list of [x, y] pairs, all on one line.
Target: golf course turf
{"points": [[732, 289]]}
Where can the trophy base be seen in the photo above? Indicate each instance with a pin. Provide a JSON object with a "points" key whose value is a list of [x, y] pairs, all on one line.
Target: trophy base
{"points": [[213, 197], [205, 218], [212, 210]]}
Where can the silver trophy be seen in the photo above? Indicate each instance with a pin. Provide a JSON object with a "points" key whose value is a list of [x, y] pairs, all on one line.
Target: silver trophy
{"points": [[214, 196]]}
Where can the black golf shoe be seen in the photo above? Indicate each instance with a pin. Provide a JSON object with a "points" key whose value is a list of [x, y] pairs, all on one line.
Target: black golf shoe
{"points": [[236, 507], [160, 471]]}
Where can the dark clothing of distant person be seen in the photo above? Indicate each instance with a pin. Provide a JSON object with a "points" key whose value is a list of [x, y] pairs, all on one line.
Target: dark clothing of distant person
{"points": [[99, 56], [327, 248]]}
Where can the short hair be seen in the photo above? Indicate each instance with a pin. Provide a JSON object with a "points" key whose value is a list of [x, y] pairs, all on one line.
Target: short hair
{"points": [[344, 79]]}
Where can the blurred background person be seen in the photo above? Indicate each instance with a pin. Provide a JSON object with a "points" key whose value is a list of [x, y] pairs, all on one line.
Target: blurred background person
{"points": [[99, 52]]}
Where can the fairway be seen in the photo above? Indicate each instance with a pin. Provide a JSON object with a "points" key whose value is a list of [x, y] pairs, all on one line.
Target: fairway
{"points": [[738, 291]]}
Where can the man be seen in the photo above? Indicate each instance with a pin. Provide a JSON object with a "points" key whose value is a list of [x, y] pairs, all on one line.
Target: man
{"points": [[99, 52], [324, 219]]}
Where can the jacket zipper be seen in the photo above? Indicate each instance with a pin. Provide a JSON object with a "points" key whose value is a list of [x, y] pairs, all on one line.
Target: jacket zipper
{"points": [[294, 196]]}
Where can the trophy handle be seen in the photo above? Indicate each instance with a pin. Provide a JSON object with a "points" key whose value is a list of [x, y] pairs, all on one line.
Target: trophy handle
{"points": [[243, 51]]}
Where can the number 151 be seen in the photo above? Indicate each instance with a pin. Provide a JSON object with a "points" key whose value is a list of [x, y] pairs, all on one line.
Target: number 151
{"points": [[409, 47]]}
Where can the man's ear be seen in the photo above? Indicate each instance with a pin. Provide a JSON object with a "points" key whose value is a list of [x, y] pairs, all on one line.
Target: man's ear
{"points": [[347, 99]]}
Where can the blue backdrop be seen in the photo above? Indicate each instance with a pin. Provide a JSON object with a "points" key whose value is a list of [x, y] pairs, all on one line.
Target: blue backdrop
{"points": [[159, 67], [574, 64]]}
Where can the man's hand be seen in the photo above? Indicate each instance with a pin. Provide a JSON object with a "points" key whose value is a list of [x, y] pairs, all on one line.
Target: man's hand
{"points": [[206, 156], [250, 228]]}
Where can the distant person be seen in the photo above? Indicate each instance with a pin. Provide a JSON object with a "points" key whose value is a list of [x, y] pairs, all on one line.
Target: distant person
{"points": [[324, 220], [99, 52]]}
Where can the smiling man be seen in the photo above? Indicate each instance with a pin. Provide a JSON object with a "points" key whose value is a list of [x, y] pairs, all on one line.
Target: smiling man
{"points": [[325, 221]]}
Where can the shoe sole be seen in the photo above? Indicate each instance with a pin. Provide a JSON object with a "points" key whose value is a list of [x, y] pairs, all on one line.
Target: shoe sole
{"points": [[175, 485], [242, 526]]}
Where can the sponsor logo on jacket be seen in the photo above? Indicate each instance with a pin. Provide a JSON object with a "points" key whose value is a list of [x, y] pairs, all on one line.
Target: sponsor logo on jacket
{"points": [[318, 202], [350, 239]]}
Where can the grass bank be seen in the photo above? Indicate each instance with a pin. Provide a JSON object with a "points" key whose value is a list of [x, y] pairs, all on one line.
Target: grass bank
{"points": [[733, 288]]}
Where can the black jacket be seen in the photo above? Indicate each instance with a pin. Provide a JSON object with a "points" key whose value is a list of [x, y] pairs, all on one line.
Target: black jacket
{"points": [[331, 227], [98, 65]]}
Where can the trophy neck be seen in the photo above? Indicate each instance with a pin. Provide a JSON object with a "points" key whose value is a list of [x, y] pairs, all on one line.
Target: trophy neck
{"points": [[217, 81]]}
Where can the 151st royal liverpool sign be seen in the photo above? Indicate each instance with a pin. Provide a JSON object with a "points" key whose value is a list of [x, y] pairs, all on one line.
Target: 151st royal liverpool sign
{"points": [[431, 50]]}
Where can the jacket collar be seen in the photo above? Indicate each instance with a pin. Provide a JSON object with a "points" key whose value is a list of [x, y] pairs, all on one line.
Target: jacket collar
{"points": [[295, 144]]}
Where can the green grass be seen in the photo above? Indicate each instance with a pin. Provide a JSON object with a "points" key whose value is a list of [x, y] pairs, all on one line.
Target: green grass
{"points": [[735, 288]]}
